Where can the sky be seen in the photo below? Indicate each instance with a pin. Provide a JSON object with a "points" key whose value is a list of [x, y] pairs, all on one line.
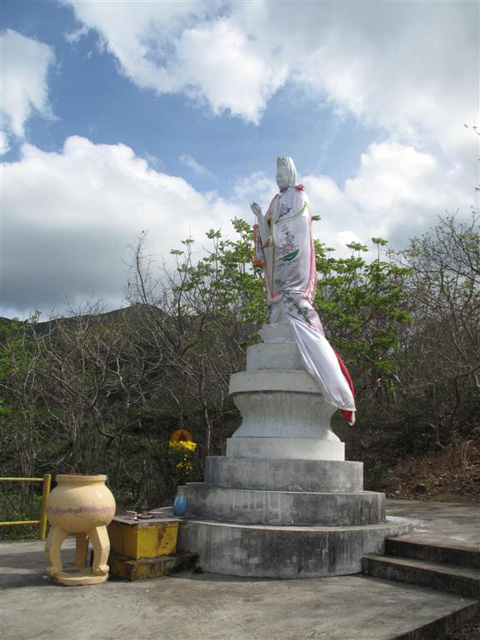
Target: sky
{"points": [[166, 117]]}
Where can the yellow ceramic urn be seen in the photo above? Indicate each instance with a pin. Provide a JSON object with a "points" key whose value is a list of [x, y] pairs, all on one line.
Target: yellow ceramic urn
{"points": [[84, 506]]}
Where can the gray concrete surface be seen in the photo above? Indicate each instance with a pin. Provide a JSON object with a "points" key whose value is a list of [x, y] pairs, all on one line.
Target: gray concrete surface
{"points": [[201, 607], [247, 506], [198, 607], [440, 522], [261, 551], [284, 475], [265, 533]]}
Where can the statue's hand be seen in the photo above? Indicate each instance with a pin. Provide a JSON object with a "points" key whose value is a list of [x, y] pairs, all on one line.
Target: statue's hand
{"points": [[257, 209], [268, 242]]}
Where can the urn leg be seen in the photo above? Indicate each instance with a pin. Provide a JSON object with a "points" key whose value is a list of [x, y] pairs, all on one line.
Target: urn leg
{"points": [[101, 549], [81, 550], [53, 544]]}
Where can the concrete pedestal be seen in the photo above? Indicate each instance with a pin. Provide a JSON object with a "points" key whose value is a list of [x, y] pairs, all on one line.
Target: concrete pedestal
{"points": [[284, 552], [283, 518], [283, 503]]}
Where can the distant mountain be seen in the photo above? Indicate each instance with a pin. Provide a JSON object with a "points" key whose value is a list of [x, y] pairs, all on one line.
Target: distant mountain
{"points": [[132, 314]]}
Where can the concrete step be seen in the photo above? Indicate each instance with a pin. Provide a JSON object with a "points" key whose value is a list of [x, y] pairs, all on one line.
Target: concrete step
{"points": [[247, 506], [444, 625], [283, 552], [454, 579], [284, 475], [431, 549]]}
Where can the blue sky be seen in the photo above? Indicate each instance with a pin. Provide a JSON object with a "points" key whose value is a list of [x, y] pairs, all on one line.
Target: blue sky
{"points": [[168, 116], [90, 98]]}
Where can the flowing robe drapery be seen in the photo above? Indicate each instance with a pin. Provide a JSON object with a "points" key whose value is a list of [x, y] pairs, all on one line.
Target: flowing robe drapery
{"points": [[291, 277]]}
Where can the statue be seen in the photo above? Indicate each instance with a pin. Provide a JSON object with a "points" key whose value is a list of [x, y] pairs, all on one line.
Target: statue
{"points": [[283, 502], [284, 245]]}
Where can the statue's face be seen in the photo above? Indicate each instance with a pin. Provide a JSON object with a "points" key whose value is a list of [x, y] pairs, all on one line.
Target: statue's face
{"points": [[282, 178]]}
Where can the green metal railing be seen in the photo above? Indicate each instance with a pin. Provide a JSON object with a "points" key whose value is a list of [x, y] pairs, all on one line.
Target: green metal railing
{"points": [[46, 480]]}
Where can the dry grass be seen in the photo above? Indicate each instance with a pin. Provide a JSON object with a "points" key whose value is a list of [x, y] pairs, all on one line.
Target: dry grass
{"points": [[470, 631], [449, 475]]}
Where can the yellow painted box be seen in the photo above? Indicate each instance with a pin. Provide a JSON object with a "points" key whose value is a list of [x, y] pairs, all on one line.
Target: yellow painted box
{"points": [[143, 538]]}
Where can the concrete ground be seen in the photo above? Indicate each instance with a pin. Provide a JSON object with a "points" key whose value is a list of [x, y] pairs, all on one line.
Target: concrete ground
{"points": [[210, 607], [448, 522]]}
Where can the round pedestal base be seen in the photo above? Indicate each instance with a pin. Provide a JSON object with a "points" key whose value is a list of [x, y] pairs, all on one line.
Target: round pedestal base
{"points": [[296, 508], [78, 578], [260, 551], [284, 474]]}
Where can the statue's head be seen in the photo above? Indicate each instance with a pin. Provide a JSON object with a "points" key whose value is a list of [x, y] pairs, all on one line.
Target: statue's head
{"points": [[286, 172]]}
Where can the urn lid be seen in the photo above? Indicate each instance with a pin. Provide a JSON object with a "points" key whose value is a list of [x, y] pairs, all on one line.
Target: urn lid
{"points": [[79, 479]]}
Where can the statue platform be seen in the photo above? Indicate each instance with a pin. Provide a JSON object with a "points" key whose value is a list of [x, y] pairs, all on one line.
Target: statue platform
{"points": [[283, 502]]}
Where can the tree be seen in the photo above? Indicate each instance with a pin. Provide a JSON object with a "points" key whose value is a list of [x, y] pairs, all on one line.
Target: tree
{"points": [[441, 351], [20, 402], [199, 319]]}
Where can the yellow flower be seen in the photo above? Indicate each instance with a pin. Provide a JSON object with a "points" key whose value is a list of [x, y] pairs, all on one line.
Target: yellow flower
{"points": [[183, 445], [180, 435]]}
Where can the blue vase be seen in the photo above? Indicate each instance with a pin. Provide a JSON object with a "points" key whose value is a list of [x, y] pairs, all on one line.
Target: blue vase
{"points": [[180, 503]]}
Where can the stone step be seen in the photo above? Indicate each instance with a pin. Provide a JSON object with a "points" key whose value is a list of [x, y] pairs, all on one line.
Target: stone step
{"points": [[460, 580], [284, 475], [431, 549], [283, 508], [283, 552], [443, 626]]}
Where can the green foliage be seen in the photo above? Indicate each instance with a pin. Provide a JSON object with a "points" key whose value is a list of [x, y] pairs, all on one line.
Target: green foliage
{"points": [[103, 392], [377, 474], [362, 304], [11, 499]]}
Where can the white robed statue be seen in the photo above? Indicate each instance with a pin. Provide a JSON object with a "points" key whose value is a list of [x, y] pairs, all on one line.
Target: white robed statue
{"points": [[284, 245]]}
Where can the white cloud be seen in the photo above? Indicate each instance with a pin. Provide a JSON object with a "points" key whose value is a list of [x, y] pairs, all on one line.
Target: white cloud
{"points": [[195, 166], [186, 47], [77, 34], [257, 187], [219, 62], [411, 67], [141, 35], [407, 68], [70, 216], [25, 66], [4, 143], [397, 193]]}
